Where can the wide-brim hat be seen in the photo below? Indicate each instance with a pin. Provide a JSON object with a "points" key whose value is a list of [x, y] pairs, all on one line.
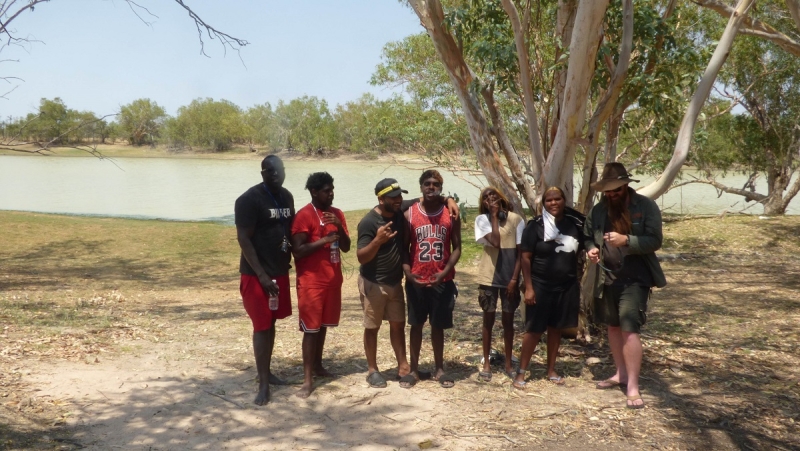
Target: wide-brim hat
{"points": [[614, 176], [389, 187]]}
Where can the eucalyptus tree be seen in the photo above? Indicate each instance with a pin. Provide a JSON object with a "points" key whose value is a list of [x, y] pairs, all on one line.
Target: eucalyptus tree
{"points": [[556, 86], [763, 77]]}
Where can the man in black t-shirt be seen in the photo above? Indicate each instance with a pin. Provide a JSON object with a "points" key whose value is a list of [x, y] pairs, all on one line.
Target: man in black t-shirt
{"points": [[381, 237], [263, 216]]}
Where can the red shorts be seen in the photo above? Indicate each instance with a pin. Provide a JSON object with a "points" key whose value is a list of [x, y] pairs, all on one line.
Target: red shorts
{"points": [[319, 307], [256, 302]]}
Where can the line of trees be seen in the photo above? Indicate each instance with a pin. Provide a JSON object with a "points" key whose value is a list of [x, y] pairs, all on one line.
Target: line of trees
{"points": [[306, 125]]}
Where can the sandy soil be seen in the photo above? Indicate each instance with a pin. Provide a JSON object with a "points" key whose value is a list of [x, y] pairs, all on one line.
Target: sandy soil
{"points": [[173, 369]]}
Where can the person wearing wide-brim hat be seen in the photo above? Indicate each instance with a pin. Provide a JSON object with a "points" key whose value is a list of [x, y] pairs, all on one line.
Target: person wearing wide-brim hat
{"points": [[622, 232]]}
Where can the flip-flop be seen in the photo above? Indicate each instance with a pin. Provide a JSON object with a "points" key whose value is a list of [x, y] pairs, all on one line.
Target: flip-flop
{"points": [[519, 385], [407, 381], [609, 384], [558, 380], [446, 381], [376, 380], [634, 406], [485, 376]]}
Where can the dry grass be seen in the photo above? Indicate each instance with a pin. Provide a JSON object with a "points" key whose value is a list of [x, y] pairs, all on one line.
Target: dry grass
{"points": [[721, 362]]}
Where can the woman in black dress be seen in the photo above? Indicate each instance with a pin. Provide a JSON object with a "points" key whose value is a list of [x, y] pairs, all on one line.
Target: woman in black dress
{"points": [[550, 247]]}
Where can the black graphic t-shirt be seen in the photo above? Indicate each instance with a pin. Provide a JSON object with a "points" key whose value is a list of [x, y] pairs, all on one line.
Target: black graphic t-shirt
{"points": [[554, 264], [271, 215]]}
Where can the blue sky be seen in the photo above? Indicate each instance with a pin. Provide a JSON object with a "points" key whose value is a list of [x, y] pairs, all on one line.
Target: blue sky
{"points": [[97, 55]]}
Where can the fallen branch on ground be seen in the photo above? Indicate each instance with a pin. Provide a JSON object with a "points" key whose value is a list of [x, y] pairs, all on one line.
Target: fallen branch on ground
{"points": [[480, 435]]}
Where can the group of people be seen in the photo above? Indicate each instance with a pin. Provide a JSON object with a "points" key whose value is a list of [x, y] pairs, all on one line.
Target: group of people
{"points": [[419, 240]]}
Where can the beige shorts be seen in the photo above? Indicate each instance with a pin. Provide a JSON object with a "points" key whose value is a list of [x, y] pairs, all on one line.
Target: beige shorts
{"points": [[381, 303]]}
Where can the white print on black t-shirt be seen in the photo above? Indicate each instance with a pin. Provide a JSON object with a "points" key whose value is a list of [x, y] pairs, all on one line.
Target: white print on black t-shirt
{"points": [[568, 243], [275, 213]]}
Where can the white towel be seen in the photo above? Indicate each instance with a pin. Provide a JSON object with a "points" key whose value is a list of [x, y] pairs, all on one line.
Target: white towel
{"points": [[551, 232]]}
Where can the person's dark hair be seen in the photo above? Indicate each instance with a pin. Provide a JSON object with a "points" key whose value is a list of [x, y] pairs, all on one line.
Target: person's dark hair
{"points": [[544, 194], [553, 188], [505, 205], [318, 180], [267, 158], [430, 173]]}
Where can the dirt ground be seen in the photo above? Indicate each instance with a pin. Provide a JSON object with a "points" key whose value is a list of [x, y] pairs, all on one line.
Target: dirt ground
{"points": [[103, 351]]}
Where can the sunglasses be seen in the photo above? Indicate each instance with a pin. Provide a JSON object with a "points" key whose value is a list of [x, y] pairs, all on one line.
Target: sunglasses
{"points": [[618, 190]]}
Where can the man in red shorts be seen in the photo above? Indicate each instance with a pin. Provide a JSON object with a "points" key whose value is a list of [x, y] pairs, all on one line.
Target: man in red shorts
{"points": [[434, 250], [263, 216], [319, 232]]}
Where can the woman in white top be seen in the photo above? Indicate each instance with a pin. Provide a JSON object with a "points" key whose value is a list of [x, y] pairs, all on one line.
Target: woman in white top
{"points": [[500, 231]]}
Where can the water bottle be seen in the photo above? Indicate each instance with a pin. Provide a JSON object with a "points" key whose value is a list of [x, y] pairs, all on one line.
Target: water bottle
{"points": [[335, 252], [273, 299]]}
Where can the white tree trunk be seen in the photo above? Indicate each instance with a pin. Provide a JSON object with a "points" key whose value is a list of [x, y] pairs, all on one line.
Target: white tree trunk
{"points": [[685, 133], [794, 10], [582, 55], [534, 138], [431, 16], [606, 106]]}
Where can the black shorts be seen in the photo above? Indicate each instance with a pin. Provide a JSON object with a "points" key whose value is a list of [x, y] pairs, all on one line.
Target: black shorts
{"points": [[556, 309], [435, 302], [487, 298]]}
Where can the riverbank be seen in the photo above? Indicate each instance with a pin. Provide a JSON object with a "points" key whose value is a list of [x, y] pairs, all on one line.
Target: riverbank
{"points": [[236, 153], [130, 334]]}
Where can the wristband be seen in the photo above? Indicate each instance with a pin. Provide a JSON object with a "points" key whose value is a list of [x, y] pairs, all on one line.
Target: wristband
{"points": [[627, 240]]}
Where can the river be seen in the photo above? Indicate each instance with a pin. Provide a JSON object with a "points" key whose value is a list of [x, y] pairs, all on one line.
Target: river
{"points": [[205, 189]]}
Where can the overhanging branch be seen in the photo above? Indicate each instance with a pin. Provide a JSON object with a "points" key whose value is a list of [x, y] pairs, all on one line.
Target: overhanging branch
{"points": [[755, 27]]}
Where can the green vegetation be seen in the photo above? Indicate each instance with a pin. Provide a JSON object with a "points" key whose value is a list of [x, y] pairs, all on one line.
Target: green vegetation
{"points": [[305, 125]]}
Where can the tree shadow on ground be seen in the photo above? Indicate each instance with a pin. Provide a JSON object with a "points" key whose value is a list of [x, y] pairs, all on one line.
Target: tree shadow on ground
{"points": [[720, 351], [56, 263], [213, 409]]}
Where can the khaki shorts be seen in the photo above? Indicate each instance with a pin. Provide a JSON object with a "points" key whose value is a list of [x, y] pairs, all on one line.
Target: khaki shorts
{"points": [[381, 303]]}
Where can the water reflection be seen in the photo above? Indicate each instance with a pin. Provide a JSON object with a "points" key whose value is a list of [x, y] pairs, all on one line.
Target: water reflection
{"points": [[203, 189]]}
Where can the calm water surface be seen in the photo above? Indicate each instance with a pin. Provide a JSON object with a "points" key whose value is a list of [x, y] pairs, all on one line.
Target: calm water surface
{"points": [[203, 189]]}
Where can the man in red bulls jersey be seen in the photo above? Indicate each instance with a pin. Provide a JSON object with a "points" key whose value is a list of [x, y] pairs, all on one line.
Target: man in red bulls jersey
{"points": [[434, 250]]}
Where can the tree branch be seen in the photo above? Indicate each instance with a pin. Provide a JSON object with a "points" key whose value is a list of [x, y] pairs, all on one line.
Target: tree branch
{"points": [[226, 40], [508, 150], [534, 138], [686, 131], [755, 27]]}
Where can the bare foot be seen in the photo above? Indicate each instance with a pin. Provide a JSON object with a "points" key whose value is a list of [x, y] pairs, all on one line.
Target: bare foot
{"points": [[322, 372], [263, 395], [305, 391]]}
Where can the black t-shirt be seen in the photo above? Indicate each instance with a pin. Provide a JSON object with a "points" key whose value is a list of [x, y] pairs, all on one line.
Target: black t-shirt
{"points": [[271, 215], [554, 264], [387, 266]]}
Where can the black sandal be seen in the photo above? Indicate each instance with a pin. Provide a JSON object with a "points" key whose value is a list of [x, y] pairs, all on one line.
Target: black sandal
{"points": [[376, 380]]}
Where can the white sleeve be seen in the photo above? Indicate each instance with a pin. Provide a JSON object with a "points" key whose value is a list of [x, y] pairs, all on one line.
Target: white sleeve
{"points": [[520, 229], [482, 228]]}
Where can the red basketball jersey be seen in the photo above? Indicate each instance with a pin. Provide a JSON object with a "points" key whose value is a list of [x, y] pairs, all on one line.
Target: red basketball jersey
{"points": [[430, 242]]}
